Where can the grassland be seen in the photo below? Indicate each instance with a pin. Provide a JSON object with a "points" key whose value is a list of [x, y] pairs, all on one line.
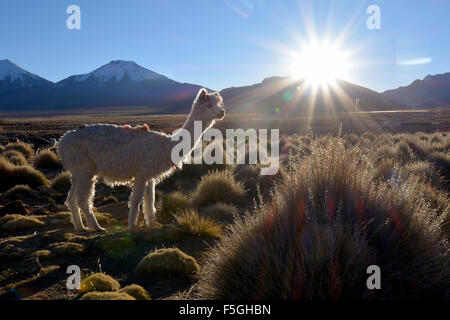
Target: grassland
{"points": [[353, 190]]}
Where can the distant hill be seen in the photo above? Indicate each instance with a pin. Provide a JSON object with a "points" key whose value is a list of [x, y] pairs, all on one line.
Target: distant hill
{"points": [[287, 95], [430, 92], [118, 83]]}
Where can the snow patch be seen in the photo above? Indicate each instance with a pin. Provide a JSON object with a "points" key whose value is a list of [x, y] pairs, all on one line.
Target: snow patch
{"points": [[118, 69]]}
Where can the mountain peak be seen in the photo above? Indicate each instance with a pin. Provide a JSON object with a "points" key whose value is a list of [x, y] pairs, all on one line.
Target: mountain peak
{"points": [[117, 69], [9, 69]]}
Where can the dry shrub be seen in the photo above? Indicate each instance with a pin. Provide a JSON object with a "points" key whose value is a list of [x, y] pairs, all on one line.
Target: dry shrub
{"points": [[26, 149], [11, 175], [191, 223], [67, 249], [62, 182], [107, 296], [218, 186], [15, 157], [20, 192], [99, 282], [423, 170], [12, 223], [166, 262], [321, 231], [47, 159], [171, 204], [136, 291], [222, 212]]}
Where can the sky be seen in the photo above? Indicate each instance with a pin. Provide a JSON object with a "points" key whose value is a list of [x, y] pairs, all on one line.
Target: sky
{"points": [[225, 43]]}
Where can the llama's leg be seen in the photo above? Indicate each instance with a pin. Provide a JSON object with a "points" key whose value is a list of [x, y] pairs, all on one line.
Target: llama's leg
{"points": [[85, 195], [149, 203], [72, 204], [135, 200]]}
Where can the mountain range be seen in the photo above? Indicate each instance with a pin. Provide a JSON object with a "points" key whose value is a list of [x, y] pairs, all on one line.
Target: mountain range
{"points": [[125, 83]]}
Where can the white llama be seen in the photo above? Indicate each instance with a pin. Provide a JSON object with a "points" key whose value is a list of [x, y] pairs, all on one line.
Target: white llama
{"points": [[123, 155]]}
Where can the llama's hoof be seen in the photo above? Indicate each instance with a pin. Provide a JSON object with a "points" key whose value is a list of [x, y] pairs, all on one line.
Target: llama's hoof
{"points": [[82, 229], [97, 228]]}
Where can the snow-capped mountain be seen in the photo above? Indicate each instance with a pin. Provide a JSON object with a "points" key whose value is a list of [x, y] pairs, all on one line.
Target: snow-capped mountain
{"points": [[118, 69], [118, 83], [13, 76]]}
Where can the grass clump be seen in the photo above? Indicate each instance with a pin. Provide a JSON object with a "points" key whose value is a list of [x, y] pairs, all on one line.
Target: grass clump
{"points": [[20, 192], [323, 228], [67, 249], [164, 262], [136, 291], [62, 182], [13, 175], [107, 296], [12, 223], [171, 204], [15, 157], [222, 212], [26, 149], [99, 282], [218, 186], [190, 222], [47, 159]]}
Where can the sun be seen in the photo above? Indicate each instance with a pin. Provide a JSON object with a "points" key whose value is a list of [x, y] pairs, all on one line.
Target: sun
{"points": [[320, 64]]}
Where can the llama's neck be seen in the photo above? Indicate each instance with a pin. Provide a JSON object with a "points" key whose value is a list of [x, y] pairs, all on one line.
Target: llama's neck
{"points": [[195, 133]]}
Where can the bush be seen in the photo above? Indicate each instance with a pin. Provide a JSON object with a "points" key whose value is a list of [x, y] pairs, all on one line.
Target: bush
{"points": [[171, 204], [107, 296], [166, 262], [191, 223], [99, 282], [15, 157], [67, 249], [26, 149], [11, 175], [20, 192], [12, 223], [47, 159], [136, 291], [218, 186], [62, 182], [320, 232], [424, 171], [222, 212]]}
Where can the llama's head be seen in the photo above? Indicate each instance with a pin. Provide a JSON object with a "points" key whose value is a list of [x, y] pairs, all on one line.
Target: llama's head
{"points": [[208, 107]]}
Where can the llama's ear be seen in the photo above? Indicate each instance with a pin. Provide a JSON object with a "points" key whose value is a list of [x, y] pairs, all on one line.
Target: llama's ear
{"points": [[201, 96]]}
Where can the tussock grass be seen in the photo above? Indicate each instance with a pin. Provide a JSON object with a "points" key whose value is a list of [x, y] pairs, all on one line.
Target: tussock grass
{"points": [[222, 212], [99, 282], [12, 223], [67, 249], [47, 159], [62, 182], [107, 296], [136, 291], [172, 204], [323, 228], [20, 191], [218, 186], [190, 222], [167, 262], [26, 149], [15, 157], [11, 175]]}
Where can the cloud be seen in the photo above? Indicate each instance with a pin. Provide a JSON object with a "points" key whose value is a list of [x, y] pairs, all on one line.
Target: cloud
{"points": [[413, 62]]}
